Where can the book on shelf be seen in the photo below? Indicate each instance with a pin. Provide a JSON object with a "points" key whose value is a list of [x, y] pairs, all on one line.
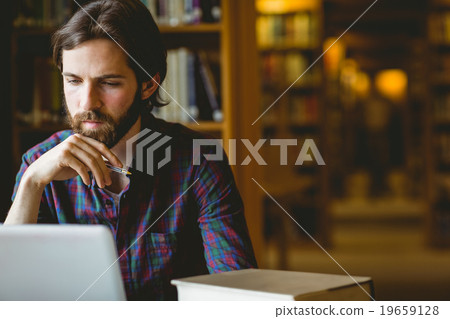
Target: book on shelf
{"points": [[211, 10], [190, 88], [299, 30], [208, 83], [286, 68], [42, 13], [295, 65], [52, 13], [273, 285], [303, 109], [179, 12], [171, 91]]}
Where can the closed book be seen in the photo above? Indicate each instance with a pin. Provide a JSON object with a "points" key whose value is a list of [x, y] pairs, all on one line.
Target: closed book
{"points": [[192, 97], [210, 87], [196, 12], [163, 12], [188, 15], [182, 85], [273, 285]]}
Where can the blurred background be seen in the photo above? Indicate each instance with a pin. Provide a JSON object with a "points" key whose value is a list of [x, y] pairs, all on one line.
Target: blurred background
{"points": [[374, 98]]}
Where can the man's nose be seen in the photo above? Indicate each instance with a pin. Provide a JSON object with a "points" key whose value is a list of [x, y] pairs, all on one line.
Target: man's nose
{"points": [[90, 99]]}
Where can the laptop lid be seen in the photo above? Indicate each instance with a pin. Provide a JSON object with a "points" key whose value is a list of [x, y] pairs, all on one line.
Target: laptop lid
{"points": [[59, 262]]}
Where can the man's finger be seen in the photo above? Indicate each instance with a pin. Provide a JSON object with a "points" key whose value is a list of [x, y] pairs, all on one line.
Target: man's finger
{"points": [[95, 155], [80, 168], [91, 163], [105, 151]]}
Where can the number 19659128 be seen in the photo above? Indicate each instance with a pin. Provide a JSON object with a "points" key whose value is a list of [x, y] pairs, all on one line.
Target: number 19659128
{"points": [[409, 310]]}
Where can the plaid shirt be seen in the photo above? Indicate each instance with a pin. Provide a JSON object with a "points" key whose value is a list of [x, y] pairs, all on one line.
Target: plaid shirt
{"points": [[192, 232]]}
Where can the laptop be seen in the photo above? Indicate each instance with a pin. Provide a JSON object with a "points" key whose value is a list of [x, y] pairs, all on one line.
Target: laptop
{"points": [[59, 263]]}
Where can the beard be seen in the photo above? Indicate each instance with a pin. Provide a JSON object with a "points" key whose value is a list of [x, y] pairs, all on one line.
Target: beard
{"points": [[111, 131]]}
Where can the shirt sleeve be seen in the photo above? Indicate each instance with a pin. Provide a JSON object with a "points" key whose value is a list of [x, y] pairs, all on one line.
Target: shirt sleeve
{"points": [[226, 241], [45, 216]]}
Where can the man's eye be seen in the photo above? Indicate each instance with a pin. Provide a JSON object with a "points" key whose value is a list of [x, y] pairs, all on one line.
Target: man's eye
{"points": [[111, 83], [73, 81]]}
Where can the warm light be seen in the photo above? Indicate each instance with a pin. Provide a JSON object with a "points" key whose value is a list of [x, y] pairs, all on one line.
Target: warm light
{"points": [[362, 84], [392, 83], [349, 73], [335, 54], [285, 6]]}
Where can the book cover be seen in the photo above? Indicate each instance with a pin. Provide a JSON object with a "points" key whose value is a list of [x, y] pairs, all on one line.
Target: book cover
{"points": [[264, 284]]}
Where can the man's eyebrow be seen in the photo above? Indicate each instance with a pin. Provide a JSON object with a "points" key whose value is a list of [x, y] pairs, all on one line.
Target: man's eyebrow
{"points": [[102, 77]]}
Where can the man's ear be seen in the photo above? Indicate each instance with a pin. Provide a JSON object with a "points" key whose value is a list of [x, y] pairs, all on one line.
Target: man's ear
{"points": [[149, 87]]}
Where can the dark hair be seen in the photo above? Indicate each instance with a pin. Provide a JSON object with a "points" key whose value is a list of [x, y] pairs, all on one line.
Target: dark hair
{"points": [[130, 24]]}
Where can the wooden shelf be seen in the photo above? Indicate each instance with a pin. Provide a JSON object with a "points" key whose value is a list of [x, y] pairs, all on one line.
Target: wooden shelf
{"points": [[294, 185], [304, 126], [383, 208], [299, 86], [192, 28], [287, 47], [165, 29], [205, 126]]}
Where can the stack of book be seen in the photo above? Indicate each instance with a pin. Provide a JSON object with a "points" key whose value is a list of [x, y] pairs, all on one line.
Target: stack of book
{"points": [[191, 88], [53, 13], [177, 12], [293, 30]]}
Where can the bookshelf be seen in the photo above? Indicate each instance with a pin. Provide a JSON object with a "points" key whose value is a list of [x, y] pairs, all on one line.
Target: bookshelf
{"points": [[289, 40], [438, 124], [227, 38], [372, 181]]}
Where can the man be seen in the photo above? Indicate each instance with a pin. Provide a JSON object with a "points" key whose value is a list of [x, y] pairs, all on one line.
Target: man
{"points": [[184, 220]]}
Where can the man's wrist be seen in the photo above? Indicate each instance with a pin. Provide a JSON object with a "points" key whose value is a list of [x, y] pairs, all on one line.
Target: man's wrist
{"points": [[31, 182]]}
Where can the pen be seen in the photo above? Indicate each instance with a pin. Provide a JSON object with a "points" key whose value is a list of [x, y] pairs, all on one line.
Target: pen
{"points": [[118, 169]]}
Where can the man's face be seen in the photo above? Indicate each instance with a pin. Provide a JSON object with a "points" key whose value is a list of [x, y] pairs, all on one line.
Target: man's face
{"points": [[101, 91]]}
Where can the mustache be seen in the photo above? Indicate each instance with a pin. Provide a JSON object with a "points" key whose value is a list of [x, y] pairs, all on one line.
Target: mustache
{"points": [[91, 116]]}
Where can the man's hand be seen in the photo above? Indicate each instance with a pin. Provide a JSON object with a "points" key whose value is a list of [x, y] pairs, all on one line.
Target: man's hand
{"points": [[77, 155]]}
